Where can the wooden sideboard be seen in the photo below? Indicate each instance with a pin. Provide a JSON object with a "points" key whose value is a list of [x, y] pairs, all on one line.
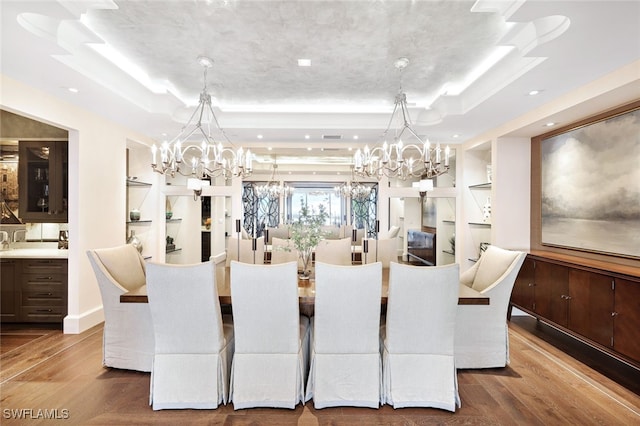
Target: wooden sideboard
{"points": [[597, 302]]}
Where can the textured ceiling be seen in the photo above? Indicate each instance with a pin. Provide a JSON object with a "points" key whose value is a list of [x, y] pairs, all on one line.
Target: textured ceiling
{"points": [[552, 46]]}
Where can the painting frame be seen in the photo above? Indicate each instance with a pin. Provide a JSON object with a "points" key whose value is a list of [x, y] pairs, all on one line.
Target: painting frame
{"points": [[590, 186]]}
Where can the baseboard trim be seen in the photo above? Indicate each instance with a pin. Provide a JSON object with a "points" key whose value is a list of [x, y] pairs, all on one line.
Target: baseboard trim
{"points": [[76, 324]]}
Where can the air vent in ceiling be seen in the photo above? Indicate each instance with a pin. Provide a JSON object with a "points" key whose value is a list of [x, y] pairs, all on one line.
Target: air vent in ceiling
{"points": [[332, 137]]}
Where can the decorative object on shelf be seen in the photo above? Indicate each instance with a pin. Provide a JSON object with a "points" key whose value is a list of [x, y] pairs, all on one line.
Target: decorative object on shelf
{"points": [[168, 209], [134, 215], [486, 210], [204, 157], [353, 189], [63, 240], [170, 245], [274, 188], [483, 248], [489, 173], [452, 242], [399, 159], [306, 233], [135, 241]]}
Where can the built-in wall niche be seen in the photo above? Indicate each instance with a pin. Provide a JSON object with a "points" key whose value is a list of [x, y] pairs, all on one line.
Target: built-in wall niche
{"points": [[439, 218]]}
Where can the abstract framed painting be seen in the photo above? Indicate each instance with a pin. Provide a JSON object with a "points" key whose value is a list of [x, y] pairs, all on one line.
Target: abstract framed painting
{"points": [[590, 187]]}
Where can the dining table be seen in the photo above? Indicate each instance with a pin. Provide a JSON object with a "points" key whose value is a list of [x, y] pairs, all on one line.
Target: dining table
{"points": [[306, 292]]}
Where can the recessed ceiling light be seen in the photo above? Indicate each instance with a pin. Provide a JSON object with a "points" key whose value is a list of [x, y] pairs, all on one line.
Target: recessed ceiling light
{"points": [[259, 136], [307, 136], [304, 62], [72, 89], [350, 149], [534, 92], [355, 137], [308, 148], [269, 148], [456, 136], [549, 124]]}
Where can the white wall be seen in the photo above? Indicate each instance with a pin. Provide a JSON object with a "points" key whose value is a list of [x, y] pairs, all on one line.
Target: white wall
{"points": [[97, 189]]}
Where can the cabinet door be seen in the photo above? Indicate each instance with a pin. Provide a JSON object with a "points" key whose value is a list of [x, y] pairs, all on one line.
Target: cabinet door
{"points": [[9, 291], [43, 181], [551, 291], [626, 331], [591, 305], [522, 294]]}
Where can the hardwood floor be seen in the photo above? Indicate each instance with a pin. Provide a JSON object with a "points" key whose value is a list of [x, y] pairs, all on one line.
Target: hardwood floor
{"points": [[43, 369]]}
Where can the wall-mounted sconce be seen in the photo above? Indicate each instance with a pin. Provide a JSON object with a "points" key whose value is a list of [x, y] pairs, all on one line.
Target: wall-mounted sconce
{"points": [[196, 185], [424, 186]]}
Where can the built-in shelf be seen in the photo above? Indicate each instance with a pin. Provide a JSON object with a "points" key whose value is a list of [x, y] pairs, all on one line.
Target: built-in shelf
{"points": [[448, 221], [174, 220], [173, 250], [472, 260], [135, 182], [142, 222], [147, 257], [484, 224], [449, 252], [481, 186]]}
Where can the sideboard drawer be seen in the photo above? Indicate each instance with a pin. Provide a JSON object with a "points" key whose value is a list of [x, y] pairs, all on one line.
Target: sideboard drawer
{"points": [[43, 298]]}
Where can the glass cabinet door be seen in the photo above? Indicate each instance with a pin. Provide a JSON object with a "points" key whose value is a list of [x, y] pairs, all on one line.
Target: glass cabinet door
{"points": [[43, 181]]}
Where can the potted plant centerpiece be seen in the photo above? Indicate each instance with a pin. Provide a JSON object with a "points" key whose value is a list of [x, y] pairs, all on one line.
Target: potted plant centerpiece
{"points": [[306, 233]]}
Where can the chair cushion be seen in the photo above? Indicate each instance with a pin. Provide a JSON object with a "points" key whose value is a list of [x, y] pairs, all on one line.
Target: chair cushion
{"points": [[391, 233], [124, 265], [493, 263]]}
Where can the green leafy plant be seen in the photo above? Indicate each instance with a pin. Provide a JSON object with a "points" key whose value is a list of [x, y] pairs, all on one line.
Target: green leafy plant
{"points": [[307, 232]]}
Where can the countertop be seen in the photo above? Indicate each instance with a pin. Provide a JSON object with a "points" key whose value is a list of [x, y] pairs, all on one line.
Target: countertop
{"points": [[38, 251]]}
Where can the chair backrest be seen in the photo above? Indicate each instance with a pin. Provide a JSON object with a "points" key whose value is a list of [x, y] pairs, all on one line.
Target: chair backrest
{"points": [[123, 265], [185, 309], [493, 264], [347, 308], [247, 255], [283, 251], [421, 309], [335, 252], [266, 316], [383, 250], [391, 233], [281, 232]]}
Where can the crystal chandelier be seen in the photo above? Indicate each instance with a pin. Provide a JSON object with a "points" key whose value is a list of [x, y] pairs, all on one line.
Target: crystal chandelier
{"points": [[201, 158], [353, 189], [273, 189], [400, 159]]}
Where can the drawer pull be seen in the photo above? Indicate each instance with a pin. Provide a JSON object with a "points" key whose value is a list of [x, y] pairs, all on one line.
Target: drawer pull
{"points": [[44, 278], [44, 310], [45, 294]]}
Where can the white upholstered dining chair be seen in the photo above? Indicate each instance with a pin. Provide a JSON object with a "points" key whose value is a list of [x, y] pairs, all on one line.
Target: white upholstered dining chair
{"points": [[282, 251], [127, 341], [193, 346], [247, 254], [418, 357], [482, 335], [346, 366], [334, 252], [271, 337], [383, 250]]}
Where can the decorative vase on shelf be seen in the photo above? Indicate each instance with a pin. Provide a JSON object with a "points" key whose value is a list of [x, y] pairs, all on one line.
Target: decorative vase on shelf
{"points": [[486, 210], [134, 215], [135, 241]]}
